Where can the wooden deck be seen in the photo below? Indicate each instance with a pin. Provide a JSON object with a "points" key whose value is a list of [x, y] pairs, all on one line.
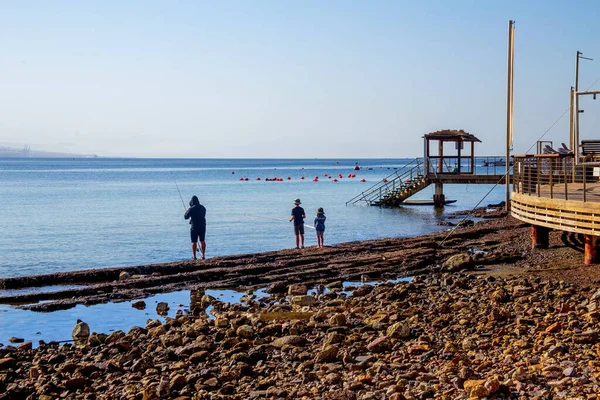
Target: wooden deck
{"points": [[556, 194]]}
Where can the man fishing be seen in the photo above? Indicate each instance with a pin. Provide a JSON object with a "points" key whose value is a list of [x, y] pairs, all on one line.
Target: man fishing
{"points": [[197, 213]]}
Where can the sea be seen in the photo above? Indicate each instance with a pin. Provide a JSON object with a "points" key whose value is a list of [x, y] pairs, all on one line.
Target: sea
{"points": [[67, 214]]}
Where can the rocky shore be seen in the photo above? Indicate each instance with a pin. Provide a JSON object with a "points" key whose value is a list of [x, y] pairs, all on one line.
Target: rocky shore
{"points": [[448, 336], [488, 317]]}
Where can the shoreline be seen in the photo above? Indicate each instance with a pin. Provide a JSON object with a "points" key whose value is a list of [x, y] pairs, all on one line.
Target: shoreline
{"points": [[501, 243], [497, 319], [447, 335], [374, 259]]}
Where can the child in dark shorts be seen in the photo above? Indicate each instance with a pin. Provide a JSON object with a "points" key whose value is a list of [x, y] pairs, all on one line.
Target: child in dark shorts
{"points": [[320, 226]]}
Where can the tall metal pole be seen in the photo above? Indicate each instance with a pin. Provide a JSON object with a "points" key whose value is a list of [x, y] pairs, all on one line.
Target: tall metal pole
{"points": [[509, 107], [576, 130]]}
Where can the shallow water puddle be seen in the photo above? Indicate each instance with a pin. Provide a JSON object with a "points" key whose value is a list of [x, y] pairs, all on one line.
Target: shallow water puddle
{"points": [[106, 318], [41, 289]]}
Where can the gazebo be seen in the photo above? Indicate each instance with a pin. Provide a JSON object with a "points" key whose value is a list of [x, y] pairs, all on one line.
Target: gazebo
{"points": [[448, 159]]}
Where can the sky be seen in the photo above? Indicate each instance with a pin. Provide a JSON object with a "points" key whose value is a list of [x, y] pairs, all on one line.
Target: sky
{"points": [[285, 79]]}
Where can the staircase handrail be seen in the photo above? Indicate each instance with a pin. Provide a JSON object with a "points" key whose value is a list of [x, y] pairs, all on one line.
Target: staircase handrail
{"points": [[400, 175]]}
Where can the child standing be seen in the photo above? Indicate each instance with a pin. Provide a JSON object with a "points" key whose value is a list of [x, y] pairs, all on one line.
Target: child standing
{"points": [[320, 226]]}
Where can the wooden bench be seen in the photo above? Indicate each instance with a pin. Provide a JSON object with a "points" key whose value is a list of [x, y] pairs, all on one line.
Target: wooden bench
{"points": [[590, 147]]}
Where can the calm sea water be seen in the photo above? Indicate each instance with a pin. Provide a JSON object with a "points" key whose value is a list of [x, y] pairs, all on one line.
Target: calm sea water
{"points": [[71, 214]]}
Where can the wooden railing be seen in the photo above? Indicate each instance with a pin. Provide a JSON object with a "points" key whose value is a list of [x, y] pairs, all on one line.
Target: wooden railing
{"points": [[555, 176], [551, 190]]}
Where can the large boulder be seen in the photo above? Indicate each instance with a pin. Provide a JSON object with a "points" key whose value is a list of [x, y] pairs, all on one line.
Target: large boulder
{"points": [[458, 262]]}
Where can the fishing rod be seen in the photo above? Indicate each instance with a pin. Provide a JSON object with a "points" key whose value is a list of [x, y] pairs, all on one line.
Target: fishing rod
{"points": [[182, 202], [179, 191], [278, 220]]}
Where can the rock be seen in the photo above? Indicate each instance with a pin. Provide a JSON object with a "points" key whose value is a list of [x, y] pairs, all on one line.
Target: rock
{"points": [[458, 262], [25, 346], [492, 385], [245, 331], [286, 315], [302, 301], [140, 304], [555, 327], [6, 363], [177, 382], [337, 319], [590, 336], [123, 276], [558, 349], [519, 291], [380, 344], [75, 383], [81, 332], [16, 340], [328, 354], [297, 290], [335, 285], [293, 340], [277, 288], [399, 330], [162, 308]]}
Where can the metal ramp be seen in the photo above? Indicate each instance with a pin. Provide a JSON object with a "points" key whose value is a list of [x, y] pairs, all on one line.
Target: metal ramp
{"points": [[396, 187]]}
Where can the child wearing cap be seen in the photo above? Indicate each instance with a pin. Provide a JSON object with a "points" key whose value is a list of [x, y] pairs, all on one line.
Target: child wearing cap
{"points": [[320, 226], [298, 218]]}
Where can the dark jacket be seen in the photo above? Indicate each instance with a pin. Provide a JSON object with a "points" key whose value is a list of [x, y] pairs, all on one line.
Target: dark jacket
{"points": [[197, 213]]}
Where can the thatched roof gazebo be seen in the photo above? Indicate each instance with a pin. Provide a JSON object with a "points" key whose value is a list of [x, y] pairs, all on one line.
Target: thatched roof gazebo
{"points": [[457, 163]]}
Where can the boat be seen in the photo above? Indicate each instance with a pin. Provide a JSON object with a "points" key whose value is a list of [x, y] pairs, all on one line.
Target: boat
{"points": [[495, 163], [424, 202]]}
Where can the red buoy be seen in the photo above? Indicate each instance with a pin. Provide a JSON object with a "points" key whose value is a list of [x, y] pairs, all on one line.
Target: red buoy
{"points": [[302, 177], [289, 178], [363, 180], [258, 179], [246, 179], [232, 172], [385, 180], [335, 180]]}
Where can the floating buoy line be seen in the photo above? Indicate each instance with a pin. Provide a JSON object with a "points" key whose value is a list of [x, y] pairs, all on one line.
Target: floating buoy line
{"points": [[315, 179]]}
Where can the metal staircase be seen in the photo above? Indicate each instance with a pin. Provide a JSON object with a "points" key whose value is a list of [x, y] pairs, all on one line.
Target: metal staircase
{"points": [[396, 187]]}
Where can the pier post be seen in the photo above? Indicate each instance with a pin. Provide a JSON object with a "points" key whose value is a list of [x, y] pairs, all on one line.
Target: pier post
{"points": [[591, 250], [540, 237], [438, 196]]}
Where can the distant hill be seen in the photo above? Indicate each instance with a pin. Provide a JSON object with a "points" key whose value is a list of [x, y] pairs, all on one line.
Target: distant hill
{"points": [[27, 152]]}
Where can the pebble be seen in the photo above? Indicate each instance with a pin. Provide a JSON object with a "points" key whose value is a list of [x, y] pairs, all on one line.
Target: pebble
{"points": [[446, 336]]}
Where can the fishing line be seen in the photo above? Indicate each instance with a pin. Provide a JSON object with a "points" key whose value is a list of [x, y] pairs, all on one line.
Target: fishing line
{"points": [[179, 191], [278, 220]]}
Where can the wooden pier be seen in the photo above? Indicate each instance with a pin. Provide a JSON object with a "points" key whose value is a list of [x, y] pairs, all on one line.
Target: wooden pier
{"points": [[445, 162]]}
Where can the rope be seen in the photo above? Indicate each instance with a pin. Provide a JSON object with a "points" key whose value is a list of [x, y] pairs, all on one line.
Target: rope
{"points": [[510, 171]]}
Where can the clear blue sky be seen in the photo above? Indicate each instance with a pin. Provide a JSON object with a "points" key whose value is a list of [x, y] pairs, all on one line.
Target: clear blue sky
{"points": [[348, 79]]}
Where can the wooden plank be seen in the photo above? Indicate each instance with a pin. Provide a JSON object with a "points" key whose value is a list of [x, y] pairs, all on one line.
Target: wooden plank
{"points": [[573, 215], [571, 205], [561, 222]]}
